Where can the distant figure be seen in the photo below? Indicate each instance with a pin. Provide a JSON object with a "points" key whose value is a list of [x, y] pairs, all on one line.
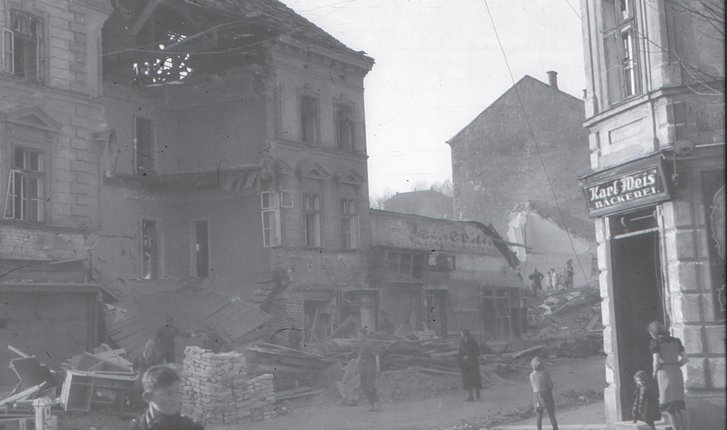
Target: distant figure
{"points": [[165, 339], [553, 278], [537, 279], [668, 357], [163, 392], [384, 324], [568, 272], [149, 357], [646, 400], [295, 335], [542, 393], [367, 369], [469, 364]]}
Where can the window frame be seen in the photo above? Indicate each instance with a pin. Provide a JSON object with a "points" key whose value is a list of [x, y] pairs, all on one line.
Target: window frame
{"points": [[312, 239], [348, 214], [405, 264], [310, 129], [26, 173], [11, 37], [348, 121], [620, 53], [270, 219], [194, 257]]}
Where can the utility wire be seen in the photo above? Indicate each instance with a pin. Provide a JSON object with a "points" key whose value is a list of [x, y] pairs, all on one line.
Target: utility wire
{"points": [[535, 141]]}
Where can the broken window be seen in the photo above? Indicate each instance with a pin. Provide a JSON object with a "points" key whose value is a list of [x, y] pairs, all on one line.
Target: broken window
{"points": [[344, 128], [620, 50], [270, 214], [167, 67], [149, 249], [349, 224], [144, 145], [312, 216], [441, 262], [405, 264], [24, 198], [309, 119], [21, 44]]}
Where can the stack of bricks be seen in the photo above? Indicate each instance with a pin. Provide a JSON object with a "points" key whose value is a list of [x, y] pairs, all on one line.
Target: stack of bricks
{"points": [[216, 390]]}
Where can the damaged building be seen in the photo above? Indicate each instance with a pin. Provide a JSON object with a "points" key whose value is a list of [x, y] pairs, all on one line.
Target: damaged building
{"points": [[205, 155], [445, 276]]}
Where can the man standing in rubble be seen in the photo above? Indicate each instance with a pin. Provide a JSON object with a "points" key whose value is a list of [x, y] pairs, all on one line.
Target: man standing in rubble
{"points": [[367, 369], [165, 340]]}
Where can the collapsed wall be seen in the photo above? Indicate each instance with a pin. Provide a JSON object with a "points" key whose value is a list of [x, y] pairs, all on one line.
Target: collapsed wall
{"points": [[216, 389]]}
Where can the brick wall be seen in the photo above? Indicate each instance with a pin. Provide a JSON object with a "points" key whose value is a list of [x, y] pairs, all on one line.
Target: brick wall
{"points": [[217, 391]]}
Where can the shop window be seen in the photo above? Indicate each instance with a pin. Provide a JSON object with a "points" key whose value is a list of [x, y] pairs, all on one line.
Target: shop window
{"points": [[144, 145], [309, 119], [620, 50], [150, 249], [344, 128], [405, 264], [24, 197], [349, 224], [22, 46], [270, 214], [312, 217], [441, 262]]}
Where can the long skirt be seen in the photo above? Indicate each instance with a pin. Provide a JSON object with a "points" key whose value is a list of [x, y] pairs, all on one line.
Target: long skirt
{"points": [[671, 388]]}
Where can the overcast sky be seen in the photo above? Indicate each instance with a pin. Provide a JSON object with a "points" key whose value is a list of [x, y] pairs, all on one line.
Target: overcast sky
{"points": [[438, 65]]}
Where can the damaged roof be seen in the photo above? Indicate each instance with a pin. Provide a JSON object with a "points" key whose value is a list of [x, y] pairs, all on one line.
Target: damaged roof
{"points": [[281, 16]]}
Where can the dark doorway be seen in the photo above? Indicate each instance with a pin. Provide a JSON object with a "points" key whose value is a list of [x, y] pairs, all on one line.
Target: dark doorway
{"points": [[201, 251], [637, 296]]}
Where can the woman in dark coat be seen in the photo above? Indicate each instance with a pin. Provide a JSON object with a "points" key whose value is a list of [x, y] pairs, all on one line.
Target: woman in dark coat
{"points": [[468, 357]]}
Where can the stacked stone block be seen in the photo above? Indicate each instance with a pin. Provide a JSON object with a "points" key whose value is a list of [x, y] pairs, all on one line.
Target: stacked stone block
{"points": [[216, 390]]}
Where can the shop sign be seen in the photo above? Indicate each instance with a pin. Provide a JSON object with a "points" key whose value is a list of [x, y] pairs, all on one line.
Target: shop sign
{"points": [[627, 191]]}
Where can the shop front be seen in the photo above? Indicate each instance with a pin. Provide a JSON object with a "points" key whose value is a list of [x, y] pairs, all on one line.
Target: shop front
{"points": [[660, 232]]}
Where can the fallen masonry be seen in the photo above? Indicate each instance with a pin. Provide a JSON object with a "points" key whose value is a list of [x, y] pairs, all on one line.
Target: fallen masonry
{"points": [[216, 389]]}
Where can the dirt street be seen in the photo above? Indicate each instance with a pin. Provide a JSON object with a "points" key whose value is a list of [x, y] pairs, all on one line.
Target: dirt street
{"points": [[570, 377]]}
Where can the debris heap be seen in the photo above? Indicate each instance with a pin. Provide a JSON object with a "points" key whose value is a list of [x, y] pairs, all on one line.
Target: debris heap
{"points": [[216, 390]]}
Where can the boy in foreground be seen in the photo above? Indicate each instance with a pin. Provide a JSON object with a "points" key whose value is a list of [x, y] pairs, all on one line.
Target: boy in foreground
{"points": [[163, 393]]}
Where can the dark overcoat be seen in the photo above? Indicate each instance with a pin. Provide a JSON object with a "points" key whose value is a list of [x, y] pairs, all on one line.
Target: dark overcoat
{"points": [[469, 363]]}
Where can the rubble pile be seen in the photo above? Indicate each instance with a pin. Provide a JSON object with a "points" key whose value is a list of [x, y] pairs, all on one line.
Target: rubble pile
{"points": [[566, 314], [216, 390]]}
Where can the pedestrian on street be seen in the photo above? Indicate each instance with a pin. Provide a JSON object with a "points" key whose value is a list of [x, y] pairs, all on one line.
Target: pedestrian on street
{"points": [[553, 279], [469, 364], [367, 369], [668, 357], [537, 279], [163, 393], [542, 393], [165, 339], [646, 400], [568, 272]]}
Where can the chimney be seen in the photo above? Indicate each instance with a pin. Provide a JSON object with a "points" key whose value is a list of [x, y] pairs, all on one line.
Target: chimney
{"points": [[552, 78]]}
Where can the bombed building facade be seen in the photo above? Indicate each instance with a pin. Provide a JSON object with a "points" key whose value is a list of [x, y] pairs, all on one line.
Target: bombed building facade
{"points": [[445, 276], [655, 112], [157, 147]]}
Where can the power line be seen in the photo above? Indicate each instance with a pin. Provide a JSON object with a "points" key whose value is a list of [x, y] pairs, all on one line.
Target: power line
{"points": [[535, 141]]}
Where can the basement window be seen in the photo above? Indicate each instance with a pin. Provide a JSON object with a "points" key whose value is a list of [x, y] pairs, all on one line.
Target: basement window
{"points": [[22, 46], [167, 67], [24, 198]]}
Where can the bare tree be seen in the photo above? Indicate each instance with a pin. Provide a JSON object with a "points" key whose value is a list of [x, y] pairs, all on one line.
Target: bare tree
{"points": [[710, 11]]}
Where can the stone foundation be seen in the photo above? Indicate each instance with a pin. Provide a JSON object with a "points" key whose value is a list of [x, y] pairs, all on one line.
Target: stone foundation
{"points": [[217, 391]]}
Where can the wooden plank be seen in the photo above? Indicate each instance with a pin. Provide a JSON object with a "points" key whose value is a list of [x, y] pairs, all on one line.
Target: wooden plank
{"points": [[22, 395], [527, 351], [17, 351]]}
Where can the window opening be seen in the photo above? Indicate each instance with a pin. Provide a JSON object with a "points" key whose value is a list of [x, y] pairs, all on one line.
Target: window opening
{"points": [[144, 145], [309, 119], [270, 214], [312, 215], [344, 128], [349, 224], [21, 45], [24, 198], [149, 249]]}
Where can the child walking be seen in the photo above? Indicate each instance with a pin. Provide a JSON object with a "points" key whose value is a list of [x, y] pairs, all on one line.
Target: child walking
{"points": [[163, 392], [542, 393], [646, 400]]}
